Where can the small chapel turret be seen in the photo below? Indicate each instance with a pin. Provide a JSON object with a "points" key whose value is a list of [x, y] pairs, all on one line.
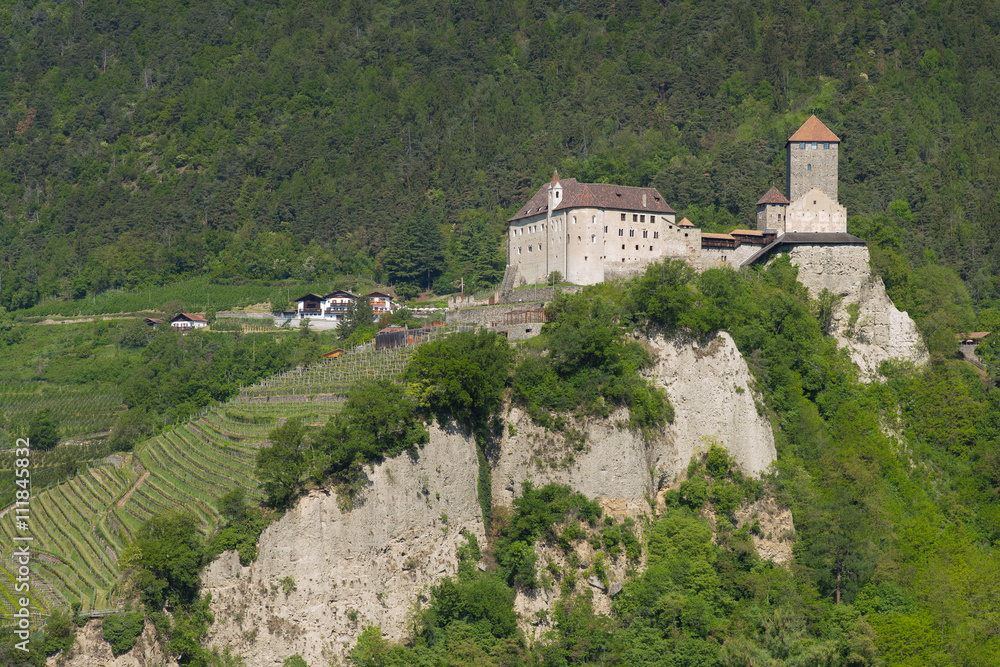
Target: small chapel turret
{"points": [[812, 160]]}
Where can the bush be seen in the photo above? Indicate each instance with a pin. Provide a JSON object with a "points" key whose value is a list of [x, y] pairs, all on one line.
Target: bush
{"points": [[378, 421], [122, 631], [280, 466], [43, 431], [462, 376], [590, 367]]}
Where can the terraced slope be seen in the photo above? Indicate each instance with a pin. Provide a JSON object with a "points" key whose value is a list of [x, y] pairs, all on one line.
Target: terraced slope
{"points": [[81, 526]]}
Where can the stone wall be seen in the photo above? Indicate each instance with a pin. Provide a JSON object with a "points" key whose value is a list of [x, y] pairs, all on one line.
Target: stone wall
{"points": [[816, 212], [822, 175]]}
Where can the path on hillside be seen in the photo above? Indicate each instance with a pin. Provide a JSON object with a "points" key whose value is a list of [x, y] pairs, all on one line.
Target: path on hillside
{"points": [[138, 483]]}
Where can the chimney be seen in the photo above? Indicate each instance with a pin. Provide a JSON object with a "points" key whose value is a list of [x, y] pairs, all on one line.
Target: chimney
{"points": [[644, 200]]}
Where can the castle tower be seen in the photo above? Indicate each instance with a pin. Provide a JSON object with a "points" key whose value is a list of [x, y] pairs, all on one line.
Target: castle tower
{"points": [[812, 160], [772, 211]]}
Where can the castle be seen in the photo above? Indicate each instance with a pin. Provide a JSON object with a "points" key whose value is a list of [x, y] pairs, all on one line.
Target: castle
{"points": [[592, 232]]}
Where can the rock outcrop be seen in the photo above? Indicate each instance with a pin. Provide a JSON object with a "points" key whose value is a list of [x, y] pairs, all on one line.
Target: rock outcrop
{"points": [[324, 574], [710, 388], [876, 330], [91, 649]]}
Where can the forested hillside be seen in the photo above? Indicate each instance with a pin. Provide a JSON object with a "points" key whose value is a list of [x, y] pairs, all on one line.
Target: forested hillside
{"points": [[143, 142]]}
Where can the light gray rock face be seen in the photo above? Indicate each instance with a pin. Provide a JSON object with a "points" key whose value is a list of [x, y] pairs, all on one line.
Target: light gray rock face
{"points": [[89, 649], [368, 566], [344, 571], [710, 388], [880, 331]]}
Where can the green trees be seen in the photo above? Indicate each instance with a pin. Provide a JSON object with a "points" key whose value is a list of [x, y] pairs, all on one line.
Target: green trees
{"points": [[378, 421], [167, 554], [461, 377], [43, 431], [122, 630], [590, 366], [281, 465], [239, 527], [358, 324]]}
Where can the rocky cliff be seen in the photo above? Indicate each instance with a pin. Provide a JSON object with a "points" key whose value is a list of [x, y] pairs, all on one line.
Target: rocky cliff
{"points": [[323, 574], [90, 649], [876, 330], [710, 388]]}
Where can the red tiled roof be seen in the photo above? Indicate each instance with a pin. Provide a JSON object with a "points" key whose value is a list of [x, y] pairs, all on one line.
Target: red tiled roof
{"points": [[773, 196], [973, 336], [814, 130], [725, 237], [555, 176], [596, 195], [685, 223], [190, 317], [746, 232], [337, 292]]}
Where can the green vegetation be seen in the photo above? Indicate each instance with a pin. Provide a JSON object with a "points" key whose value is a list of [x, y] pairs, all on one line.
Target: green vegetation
{"points": [[240, 524], [590, 367], [43, 431], [122, 630], [251, 154], [377, 421], [461, 377]]}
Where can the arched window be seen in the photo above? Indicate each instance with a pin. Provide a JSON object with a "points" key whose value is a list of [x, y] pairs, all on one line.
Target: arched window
{"points": [[809, 167]]}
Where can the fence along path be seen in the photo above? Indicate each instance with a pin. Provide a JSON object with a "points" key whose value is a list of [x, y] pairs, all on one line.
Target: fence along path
{"points": [[193, 463]]}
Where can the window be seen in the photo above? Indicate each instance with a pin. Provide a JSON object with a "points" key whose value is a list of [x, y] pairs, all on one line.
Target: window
{"points": [[635, 217], [645, 234], [605, 229], [518, 251], [656, 235], [814, 145], [557, 192], [529, 248], [574, 219], [809, 167], [652, 218], [593, 219], [826, 145], [685, 235], [631, 233], [623, 247], [621, 232], [623, 217], [650, 248], [779, 217], [585, 258], [577, 238], [637, 247], [802, 146], [642, 218], [593, 238]]}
